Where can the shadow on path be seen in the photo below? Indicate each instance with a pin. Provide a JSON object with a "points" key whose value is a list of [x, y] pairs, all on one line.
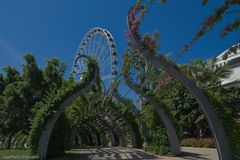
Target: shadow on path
{"points": [[119, 153], [113, 153]]}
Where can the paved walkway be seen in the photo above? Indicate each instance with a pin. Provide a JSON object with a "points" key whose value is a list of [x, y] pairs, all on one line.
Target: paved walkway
{"points": [[118, 153]]}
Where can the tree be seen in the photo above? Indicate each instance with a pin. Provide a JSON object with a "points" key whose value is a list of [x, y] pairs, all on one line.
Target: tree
{"points": [[2, 84], [206, 73], [33, 77], [15, 110], [11, 75], [20, 92], [53, 73], [184, 108]]}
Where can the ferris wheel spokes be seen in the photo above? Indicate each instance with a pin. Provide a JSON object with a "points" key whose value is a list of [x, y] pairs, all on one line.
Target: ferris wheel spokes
{"points": [[99, 43]]}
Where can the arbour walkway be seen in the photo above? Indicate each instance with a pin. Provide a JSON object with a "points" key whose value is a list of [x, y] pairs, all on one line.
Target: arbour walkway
{"points": [[48, 117], [119, 153]]}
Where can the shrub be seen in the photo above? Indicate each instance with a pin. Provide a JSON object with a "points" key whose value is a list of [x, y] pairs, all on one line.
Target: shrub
{"points": [[194, 142], [157, 149], [231, 126]]}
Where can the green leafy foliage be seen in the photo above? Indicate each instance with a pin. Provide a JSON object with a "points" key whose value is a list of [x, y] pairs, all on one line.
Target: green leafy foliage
{"points": [[53, 73], [51, 104], [11, 75], [60, 138], [19, 92], [208, 77], [231, 126], [127, 114], [156, 137], [16, 109]]}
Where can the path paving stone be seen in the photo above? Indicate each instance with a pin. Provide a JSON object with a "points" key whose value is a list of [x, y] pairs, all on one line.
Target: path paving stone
{"points": [[118, 153]]}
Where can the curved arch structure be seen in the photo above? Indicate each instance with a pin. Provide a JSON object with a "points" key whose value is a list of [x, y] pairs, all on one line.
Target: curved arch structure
{"points": [[106, 126], [46, 133], [129, 126], [218, 132], [124, 102], [171, 132], [120, 132], [133, 109]]}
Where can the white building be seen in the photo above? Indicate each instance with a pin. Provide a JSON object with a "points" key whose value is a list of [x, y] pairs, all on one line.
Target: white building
{"points": [[233, 61]]}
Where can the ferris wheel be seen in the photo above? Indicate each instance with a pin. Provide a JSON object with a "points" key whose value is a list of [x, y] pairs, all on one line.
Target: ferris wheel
{"points": [[97, 43]]}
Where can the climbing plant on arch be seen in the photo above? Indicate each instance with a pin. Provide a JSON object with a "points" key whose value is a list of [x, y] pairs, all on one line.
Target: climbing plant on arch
{"points": [[133, 109], [164, 115], [129, 120], [145, 47], [53, 106], [87, 115]]}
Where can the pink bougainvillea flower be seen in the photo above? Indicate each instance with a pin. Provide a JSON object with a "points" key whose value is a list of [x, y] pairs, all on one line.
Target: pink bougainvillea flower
{"points": [[127, 32]]}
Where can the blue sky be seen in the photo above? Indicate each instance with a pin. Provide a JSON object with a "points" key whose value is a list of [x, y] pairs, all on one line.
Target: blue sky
{"points": [[55, 28]]}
